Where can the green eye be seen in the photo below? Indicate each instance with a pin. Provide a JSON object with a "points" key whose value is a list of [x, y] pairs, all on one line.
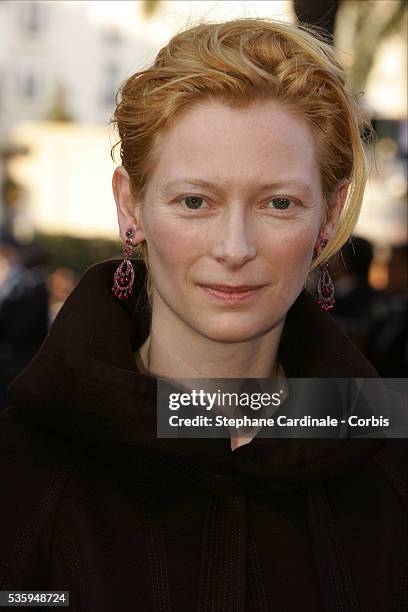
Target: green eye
{"points": [[281, 203], [193, 202]]}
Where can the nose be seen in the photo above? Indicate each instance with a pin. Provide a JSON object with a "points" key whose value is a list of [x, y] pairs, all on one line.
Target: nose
{"points": [[233, 245]]}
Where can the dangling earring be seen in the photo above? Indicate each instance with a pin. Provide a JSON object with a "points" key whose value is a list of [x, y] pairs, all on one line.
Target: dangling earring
{"points": [[325, 287], [125, 274]]}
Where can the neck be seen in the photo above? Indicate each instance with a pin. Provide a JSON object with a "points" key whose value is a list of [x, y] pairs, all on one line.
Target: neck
{"points": [[174, 350]]}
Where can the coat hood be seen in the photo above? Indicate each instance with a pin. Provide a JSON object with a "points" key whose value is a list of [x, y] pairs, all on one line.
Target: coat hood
{"points": [[83, 385]]}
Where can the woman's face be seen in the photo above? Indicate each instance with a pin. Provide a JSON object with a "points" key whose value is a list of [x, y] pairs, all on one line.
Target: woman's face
{"points": [[231, 216]]}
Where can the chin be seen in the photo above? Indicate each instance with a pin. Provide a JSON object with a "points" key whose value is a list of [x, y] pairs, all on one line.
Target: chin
{"points": [[232, 333]]}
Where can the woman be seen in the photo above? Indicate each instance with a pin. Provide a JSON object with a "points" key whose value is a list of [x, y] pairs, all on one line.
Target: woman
{"points": [[242, 171]]}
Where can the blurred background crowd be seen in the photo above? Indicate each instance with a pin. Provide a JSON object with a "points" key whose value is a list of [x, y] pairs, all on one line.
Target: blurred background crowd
{"points": [[61, 64]]}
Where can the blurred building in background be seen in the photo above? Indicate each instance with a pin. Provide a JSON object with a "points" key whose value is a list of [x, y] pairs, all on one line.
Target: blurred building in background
{"points": [[63, 61], [76, 195]]}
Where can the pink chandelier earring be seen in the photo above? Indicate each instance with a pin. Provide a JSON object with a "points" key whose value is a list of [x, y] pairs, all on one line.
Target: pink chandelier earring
{"points": [[325, 286], [124, 274]]}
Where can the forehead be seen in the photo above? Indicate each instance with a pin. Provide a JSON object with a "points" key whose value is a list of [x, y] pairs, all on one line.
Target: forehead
{"points": [[212, 141]]}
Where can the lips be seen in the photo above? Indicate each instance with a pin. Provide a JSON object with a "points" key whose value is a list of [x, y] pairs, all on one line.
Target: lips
{"points": [[231, 294], [232, 288]]}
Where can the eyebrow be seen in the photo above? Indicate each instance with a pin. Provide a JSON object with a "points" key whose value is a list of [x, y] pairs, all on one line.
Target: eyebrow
{"points": [[289, 182]]}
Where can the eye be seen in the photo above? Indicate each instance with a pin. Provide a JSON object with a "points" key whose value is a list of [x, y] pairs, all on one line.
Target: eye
{"points": [[193, 202], [280, 203]]}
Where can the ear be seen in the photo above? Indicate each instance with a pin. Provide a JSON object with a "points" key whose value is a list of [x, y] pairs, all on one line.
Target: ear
{"points": [[128, 208], [336, 206]]}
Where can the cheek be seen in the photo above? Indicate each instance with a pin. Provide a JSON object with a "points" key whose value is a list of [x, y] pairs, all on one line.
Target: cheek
{"points": [[289, 260], [298, 251], [170, 243], [293, 247]]}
